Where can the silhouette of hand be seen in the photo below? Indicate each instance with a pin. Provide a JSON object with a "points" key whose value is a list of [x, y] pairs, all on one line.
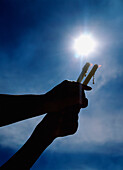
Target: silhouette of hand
{"points": [[67, 122], [61, 124], [65, 95]]}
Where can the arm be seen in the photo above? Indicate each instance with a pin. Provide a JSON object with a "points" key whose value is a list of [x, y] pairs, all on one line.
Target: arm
{"points": [[14, 108], [51, 127], [31, 150]]}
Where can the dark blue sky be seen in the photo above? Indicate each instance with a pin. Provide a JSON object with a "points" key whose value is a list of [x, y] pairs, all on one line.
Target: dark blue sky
{"points": [[36, 39]]}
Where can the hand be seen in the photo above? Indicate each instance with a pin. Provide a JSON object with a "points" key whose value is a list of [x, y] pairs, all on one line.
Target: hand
{"points": [[61, 124], [67, 123], [65, 95]]}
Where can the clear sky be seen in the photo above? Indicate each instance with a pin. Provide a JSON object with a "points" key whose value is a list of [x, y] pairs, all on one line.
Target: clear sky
{"points": [[36, 53]]}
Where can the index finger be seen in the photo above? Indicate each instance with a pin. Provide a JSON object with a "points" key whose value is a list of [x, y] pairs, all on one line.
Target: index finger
{"points": [[80, 85], [85, 87]]}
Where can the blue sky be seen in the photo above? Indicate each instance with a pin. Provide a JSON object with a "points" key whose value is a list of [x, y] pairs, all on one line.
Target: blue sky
{"points": [[36, 53]]}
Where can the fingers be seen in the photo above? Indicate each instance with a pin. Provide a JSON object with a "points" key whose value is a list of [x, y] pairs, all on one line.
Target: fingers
{"points": [[66, 94], [73, 83], [70, 120], [86, 87], [75, 89], [84, 103], [71, 110]]}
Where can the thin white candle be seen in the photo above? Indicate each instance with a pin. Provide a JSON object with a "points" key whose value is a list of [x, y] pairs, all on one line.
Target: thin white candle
{"points": [[84, 71], [92, 72]]}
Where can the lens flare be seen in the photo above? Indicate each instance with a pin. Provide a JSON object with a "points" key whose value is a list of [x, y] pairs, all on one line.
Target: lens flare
{"points": [[99, 65]]}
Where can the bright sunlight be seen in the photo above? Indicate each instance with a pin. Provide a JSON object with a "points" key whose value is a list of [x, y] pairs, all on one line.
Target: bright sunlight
{"points": [[84, 45]]}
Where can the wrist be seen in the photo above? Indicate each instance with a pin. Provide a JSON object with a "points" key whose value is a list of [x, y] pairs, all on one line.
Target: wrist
{"points": [[39, 104], [47, 103], [43, 134]]}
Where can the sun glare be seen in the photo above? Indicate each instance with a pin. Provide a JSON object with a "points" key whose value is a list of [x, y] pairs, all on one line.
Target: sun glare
{"points": [[84, 45]]}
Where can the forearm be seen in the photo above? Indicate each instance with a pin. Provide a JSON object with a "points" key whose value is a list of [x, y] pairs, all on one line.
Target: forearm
{"points": [[14, 108], [24, 159]]}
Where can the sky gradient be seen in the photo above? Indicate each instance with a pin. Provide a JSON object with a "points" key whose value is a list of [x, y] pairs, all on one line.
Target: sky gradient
{"points": [[36, 53]]}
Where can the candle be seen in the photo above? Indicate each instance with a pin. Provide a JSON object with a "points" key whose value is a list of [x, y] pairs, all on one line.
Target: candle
{"points": [[92, 72], [84, 71]]}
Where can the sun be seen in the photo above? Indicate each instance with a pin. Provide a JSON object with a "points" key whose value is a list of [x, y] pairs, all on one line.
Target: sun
{"points": [[84, 45]]}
